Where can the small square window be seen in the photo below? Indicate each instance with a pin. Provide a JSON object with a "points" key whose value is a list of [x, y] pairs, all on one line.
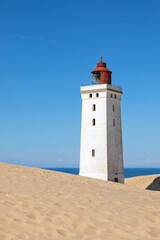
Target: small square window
{"points": [[93, 121], [90, 95], [97, 94], [93, 152], [94, 107]]}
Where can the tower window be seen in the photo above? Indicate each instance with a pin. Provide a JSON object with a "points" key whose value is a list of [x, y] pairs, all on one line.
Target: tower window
{"points": [[90, 95], [93, 121], [97, 94], [111, 95], [94, 107], [93, 152], [115, 96], [114, 123], [113, 108]]}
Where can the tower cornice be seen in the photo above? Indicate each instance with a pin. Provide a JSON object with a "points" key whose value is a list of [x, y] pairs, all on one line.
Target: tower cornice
{"points": [[100, 88]]}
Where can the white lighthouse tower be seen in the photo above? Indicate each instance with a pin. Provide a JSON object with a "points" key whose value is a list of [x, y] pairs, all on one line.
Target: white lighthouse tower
{"points": [[101, 153]]}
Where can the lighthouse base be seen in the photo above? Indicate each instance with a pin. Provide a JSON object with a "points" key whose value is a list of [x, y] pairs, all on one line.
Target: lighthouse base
{"points": [[113, 177], [99, 176]]}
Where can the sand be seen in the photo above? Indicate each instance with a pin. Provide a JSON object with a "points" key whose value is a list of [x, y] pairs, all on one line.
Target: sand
{"points": [[37, 204], [151, 182]]}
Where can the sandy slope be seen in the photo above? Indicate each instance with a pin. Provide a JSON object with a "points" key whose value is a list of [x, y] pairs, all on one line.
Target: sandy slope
{"points": [[151, 182], [45, 205]]}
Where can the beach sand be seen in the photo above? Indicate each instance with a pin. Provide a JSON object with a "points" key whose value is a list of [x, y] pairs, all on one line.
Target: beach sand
{"points": [[151, 182], [37, 204]]}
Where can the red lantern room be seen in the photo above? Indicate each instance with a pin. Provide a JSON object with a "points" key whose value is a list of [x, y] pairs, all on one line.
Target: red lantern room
{"points": [[101, 74]]}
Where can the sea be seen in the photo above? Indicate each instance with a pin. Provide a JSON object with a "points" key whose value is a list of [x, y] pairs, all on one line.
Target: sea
{"points": [[128, 172]]}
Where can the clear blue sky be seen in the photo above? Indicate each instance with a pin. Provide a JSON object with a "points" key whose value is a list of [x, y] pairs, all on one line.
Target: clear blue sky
{"points": [[48, 49]]}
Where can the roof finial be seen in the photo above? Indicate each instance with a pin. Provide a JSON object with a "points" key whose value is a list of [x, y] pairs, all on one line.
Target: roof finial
{"points": [[101, 59]]}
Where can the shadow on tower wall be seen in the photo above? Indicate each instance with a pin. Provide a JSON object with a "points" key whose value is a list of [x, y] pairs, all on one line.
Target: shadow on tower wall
{"points": [[155, 185]]}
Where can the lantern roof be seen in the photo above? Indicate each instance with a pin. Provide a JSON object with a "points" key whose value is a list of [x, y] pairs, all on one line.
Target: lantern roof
{"points": [[101, 67]]}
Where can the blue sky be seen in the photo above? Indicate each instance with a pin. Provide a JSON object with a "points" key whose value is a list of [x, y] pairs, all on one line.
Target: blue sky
{"points": [[48, 49]]}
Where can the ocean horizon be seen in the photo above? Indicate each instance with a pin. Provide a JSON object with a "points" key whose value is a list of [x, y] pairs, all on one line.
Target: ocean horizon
{"points": [[128, 172]]}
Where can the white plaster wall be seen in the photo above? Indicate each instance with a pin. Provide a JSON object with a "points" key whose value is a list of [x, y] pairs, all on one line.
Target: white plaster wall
{"points": [[114, 138], [103, 137], [93, 137]]}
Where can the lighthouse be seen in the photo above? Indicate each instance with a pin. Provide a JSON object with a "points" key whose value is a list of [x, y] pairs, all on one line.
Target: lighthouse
{"points": [[101, 152]]}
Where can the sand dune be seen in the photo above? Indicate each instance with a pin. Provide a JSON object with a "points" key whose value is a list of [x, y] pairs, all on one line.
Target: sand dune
{"points": [[151, 182], [45, 205]]}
